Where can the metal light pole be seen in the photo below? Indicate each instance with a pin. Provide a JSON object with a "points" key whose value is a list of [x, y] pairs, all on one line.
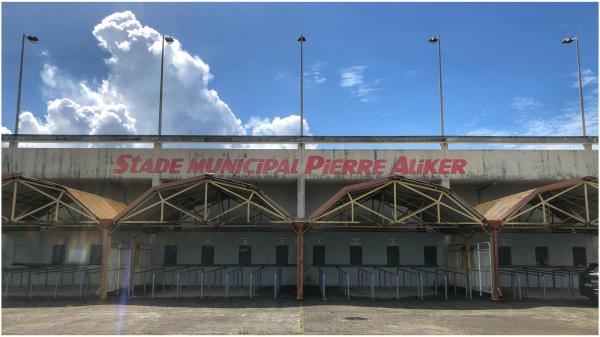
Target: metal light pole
{"points": [[300, 186], [162, 61], [301, 39], [438, 40], [566, 41], [32, 39]]}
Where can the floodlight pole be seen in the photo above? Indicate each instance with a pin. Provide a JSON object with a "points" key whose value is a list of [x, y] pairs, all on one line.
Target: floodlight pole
{"points": [[300, 195], [18, 112], [580, 89], [160, 103]]}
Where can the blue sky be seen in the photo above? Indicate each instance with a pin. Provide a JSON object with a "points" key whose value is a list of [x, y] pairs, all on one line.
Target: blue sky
{"points": [[368, 67]]}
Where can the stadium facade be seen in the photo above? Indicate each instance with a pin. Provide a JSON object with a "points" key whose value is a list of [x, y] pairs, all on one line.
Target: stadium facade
{"points": [[359, 219]]}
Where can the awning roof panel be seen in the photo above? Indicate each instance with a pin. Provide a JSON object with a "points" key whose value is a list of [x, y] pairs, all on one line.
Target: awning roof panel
{"points": [[44, 203], [397, 202], [568, 205], [203, 201]]}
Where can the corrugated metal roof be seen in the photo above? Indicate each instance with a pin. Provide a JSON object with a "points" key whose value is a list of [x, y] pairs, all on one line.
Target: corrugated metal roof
{"points": [[496, 209], [103, 208], [499, 210]]}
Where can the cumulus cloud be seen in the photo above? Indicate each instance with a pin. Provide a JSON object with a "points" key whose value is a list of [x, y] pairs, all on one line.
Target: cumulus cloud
{"points": [[287, 126], [353, 79], [126, 101]]}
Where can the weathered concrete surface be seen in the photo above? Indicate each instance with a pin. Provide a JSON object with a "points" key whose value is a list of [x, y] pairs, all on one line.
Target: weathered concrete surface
{"points": [[311, 316], [461, 165]]}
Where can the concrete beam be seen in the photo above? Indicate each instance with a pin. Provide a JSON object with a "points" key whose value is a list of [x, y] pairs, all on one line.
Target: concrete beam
{"points": [[297, 139]]}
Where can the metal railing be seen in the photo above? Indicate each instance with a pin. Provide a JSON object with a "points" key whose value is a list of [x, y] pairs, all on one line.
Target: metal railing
{"points": [[344, 281], [224, 139], [391, 276], [217, 276], [87, 280], [46, 272], [366, 279], [541, 279], [255, 280], [276, 282], [466, 277], [163, 276], [84, 273], [322, 283], [436, 275], [418, 278], [190, 271], [144, 276], [514, 287], [233, 278]]}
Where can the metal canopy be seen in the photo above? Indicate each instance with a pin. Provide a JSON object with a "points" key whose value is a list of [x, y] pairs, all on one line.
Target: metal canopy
{"points": [[398, 203], [201, 202], [566, 206], [34, 204]]}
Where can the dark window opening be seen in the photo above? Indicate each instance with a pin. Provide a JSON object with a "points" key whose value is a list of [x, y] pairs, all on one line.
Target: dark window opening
{"points": [[96, 255], [504, 256], [318, 255], [355, 255], [208, 255], [393, 256], [541, 256], [245, 255], [430, 253], [58, 254], [579, 257], [281, 255], [170, 255]]}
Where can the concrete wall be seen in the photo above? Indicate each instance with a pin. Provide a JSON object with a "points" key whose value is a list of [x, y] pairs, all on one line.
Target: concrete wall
{"points": [[38, 248], [477, 165]]}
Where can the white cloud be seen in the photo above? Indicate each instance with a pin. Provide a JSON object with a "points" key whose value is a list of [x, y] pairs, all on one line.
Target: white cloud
{"points": [[315, 75], [287, 126], [565, 123], [525, 103], [353, 79], [126, 101], [587, 77]]}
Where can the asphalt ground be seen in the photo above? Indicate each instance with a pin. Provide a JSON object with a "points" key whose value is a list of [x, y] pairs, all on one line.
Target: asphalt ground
{"points": [[263, 315]]}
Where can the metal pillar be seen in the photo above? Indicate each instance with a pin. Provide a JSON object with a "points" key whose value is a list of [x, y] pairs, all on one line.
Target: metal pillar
{"points": [[301, 186], [300, 230], [496, 291], [103, 289], [132, 260], [467, 257]]}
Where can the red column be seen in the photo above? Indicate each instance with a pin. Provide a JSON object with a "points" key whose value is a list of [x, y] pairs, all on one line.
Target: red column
{"points": [[496, 291], [300, 260]]}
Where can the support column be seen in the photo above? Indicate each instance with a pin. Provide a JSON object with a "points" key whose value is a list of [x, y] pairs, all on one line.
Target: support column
{"points": [[300, 197], [496, 291], [299, 260], [133, 259], [467, 243], [106, 240]]}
